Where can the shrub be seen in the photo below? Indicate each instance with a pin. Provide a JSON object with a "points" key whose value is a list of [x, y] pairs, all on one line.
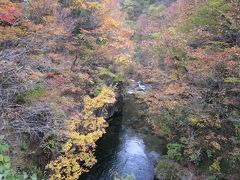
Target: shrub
{"points": [[175, 151], [34, 93], [207, 14], [6, 171], [213, 178], [155, 35], [167, 170], [162, 165], [155, 9], [40, 9], [135, 8], [172, 122], [177, 53], [235, 157], [78, 150], [116, 77], [5, 166], [215, 167], [232, 80]]}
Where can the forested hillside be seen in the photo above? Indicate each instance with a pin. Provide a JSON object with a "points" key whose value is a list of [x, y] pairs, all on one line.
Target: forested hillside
{"points": [[60, 61], [190, 51], [65, 66]]}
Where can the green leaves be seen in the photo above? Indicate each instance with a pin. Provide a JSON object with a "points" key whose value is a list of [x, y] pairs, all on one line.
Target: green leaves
{"points": [[215, 167], [3, 148], [4, 159], [26, 176], [175, 151], [5, 166], [33, 94], [6, 171], [208, 14], [1, 158]]}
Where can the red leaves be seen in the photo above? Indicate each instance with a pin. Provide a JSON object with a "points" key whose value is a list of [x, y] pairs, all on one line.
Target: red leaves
{"points": [[58, 79], [9, 13]]}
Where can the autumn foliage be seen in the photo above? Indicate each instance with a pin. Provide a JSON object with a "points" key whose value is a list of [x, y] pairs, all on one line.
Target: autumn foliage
{"points": [[50, 63], [80, 146], [9, 12], [189, 52], [62, 63]]}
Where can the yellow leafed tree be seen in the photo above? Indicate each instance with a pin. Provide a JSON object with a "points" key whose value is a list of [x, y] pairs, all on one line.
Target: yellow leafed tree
{"points": [[78, 151]]}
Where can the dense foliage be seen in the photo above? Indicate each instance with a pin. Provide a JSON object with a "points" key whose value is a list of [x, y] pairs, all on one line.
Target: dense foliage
{"points": [[189, 51], [61, 62]]}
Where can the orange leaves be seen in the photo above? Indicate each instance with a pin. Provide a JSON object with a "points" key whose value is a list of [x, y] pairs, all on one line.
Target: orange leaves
{"points": [[110, 23], [175, 89], [51, 50], [115, 33], [58, 79], [9, 12], [86, 4], [11, 33], [80, 3]]}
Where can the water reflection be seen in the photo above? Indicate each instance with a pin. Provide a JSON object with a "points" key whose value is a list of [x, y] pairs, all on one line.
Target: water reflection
{"points": [[124, 150], [133, 159]]}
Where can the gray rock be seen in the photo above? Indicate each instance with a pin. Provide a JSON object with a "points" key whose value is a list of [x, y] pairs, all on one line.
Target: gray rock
{"points": [[197, 43], [110, 110]]}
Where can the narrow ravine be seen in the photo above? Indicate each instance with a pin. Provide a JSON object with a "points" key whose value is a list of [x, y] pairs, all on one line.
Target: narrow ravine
{"points": [[128, 148]]}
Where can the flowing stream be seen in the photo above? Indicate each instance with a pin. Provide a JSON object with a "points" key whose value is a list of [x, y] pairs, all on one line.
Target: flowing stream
{"points": [[128, 148]]}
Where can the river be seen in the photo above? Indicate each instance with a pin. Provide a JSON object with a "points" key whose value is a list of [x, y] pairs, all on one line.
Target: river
{"points": [[128, 148]]}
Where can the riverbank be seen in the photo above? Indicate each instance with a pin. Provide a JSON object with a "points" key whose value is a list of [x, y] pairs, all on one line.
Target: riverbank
{"points": [[61, 70], [64, 65], [129, 148], [189, 51]]}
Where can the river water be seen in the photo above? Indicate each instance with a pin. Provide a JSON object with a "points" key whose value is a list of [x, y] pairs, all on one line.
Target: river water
{"points": [[128, 148]]}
